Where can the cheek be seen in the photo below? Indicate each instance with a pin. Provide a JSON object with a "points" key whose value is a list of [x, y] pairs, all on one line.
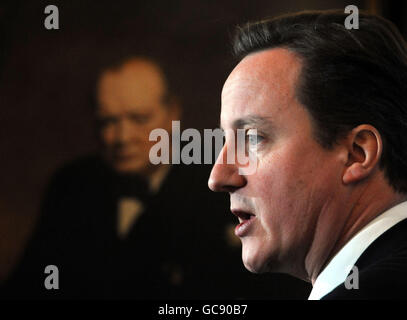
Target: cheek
{"points": [[291, 170], [107, 135], [274, 177], [286, 186], [142, 134]]}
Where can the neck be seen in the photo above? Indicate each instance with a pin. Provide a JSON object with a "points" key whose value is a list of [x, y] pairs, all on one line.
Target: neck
{"points": [[365, 203]]}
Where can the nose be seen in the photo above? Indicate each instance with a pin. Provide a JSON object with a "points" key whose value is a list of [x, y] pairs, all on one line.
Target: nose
{"points": [[123, 131], [225, 177]]}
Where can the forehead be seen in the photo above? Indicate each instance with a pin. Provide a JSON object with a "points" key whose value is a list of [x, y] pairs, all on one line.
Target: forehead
{"points": [[262, 85], [138, 84]]}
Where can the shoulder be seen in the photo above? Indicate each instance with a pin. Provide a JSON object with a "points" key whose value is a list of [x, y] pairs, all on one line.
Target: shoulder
{"points": [[385, 280], [381, 271], [81, 178]]}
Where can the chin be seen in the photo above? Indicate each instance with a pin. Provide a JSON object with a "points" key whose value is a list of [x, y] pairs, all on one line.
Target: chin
{"points": [[254, 260]]}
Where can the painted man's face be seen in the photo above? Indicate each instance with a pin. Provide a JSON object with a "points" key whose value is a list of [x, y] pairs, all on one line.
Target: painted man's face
{"points": [[130, 105]]}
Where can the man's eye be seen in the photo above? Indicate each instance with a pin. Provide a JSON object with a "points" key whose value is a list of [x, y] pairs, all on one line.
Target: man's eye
{"points": [[253, 138], [140, 118]]}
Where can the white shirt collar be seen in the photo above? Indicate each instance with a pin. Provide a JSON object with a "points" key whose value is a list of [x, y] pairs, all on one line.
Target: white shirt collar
{"points": [[341, 264]]}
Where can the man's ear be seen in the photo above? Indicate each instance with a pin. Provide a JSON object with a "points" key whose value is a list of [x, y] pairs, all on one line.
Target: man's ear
{"points": [[364, 145]]}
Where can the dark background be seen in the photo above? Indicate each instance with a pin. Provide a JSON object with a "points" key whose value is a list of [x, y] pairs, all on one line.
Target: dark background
{"points": [[47, 78]]}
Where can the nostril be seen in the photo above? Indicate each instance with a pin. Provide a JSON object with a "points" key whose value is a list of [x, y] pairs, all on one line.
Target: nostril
{"points": [[219, 187], [212, 184], [225, 178]]}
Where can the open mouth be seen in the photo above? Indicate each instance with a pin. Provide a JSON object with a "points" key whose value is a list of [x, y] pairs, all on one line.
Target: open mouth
{"points": [[245, 220]]}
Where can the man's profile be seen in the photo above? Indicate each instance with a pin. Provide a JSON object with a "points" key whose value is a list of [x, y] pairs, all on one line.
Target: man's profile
{"points": [[330, 109]]}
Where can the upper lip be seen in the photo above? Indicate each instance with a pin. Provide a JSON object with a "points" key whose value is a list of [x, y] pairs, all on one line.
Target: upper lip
{"points": [[242, 214]]}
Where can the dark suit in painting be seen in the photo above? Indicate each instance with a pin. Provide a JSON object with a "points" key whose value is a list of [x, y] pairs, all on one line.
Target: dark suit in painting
{"points": [[181, 246], [165, 254]]}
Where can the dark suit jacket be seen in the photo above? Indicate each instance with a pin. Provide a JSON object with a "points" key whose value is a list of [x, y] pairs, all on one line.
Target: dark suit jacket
{"points": [[382, 269], [168, 253]]}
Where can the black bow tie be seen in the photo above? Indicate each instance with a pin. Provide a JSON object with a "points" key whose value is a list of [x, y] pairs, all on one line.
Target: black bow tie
{"points": [[133, 186]]}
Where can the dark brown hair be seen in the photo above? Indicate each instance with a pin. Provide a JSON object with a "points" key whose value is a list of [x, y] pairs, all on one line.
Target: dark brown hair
{"points": [[349, 76]]}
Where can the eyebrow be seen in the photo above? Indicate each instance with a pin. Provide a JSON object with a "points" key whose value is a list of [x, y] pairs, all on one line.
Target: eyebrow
{"points": [[251, 120]]}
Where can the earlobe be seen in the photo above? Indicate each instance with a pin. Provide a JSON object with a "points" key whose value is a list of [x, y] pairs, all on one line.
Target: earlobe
{"points": [[354, 173], [364, 145]]}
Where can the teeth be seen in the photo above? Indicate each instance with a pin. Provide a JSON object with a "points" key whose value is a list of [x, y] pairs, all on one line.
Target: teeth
{"points": [[244, 217]]}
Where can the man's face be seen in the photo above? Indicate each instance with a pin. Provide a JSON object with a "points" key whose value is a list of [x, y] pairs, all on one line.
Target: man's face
{"points": [[130, 105], [281, 204]]}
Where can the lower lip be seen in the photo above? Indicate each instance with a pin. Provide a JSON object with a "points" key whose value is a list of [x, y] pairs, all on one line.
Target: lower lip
{"points": [[242, 229]]}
